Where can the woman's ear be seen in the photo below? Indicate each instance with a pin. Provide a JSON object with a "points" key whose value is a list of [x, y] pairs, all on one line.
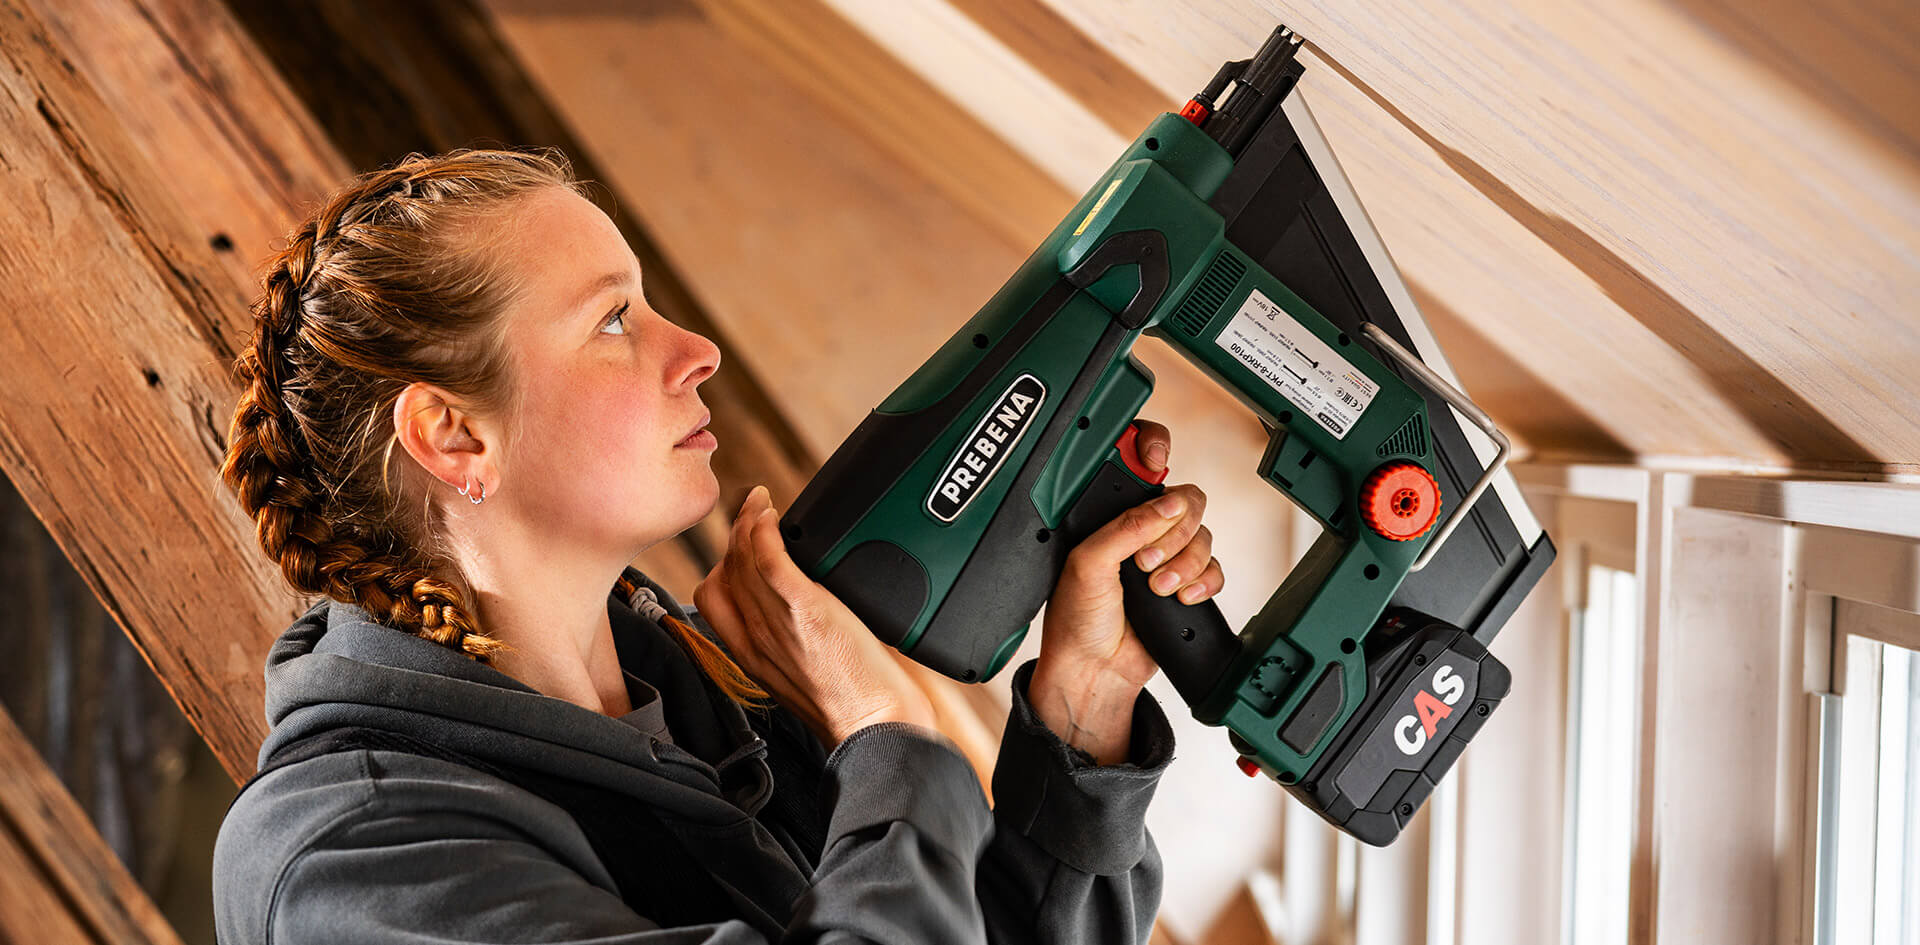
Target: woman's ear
{"points": [[445, 438]]}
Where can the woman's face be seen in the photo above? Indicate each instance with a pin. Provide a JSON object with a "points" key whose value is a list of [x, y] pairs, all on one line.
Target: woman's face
{"points": [[599, 450]]}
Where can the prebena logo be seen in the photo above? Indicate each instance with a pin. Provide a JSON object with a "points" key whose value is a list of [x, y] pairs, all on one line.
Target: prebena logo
{"points": [[986, 447], [1429, 708]]}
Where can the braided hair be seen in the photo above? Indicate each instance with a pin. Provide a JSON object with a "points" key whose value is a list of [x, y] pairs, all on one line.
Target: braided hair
{"points": [[392, 280]]}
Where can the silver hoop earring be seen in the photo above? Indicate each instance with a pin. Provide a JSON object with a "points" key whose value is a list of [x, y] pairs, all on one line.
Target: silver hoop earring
{"points": [[476, 500]]}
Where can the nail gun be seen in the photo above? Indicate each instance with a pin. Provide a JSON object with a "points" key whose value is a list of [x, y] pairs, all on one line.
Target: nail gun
{"points": [[1227, 231]]}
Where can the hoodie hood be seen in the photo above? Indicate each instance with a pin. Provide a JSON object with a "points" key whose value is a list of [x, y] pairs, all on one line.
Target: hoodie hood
{"points": [[336, 666]]}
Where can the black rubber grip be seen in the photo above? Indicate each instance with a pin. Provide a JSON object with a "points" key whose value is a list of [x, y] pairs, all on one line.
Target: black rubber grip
{"points": [[1191, 642]]}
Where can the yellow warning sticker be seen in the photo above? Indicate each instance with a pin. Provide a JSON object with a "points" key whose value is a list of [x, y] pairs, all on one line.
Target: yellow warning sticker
{"points": [[1102, 202]]}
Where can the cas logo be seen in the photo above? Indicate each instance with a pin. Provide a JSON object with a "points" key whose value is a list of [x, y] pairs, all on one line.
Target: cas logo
{"points": [[984, 449], [1410, 734]]}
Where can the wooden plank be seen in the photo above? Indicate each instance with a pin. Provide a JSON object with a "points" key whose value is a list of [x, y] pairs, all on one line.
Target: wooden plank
{"points": [[63, 884], [115, 398], [1871, 568], [1080, 67], [1898, 627], [816, 48], [1891, 509], [985, 79], [1719, 729], [1619, 198]]}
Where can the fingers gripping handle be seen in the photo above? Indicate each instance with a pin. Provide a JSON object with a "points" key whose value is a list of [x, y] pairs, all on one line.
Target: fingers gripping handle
{"points": [[1191, 642]]}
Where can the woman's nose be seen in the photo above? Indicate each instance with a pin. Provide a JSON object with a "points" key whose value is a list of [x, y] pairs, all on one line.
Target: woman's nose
{"points": [[701, 358]]}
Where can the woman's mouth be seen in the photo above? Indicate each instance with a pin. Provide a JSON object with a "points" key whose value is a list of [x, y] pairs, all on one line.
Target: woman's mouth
{"points": [[699, 438]]}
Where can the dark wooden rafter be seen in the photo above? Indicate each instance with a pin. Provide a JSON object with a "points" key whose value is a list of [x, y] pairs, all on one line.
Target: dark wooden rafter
{"points": [[61, 882], [114, 396]]}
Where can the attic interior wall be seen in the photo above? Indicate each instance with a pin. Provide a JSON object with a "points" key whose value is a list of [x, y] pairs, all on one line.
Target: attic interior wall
{"points": [[1534, 381]]}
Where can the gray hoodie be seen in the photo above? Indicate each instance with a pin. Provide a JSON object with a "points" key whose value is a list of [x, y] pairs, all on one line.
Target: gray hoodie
{"points": [[373, 846]]}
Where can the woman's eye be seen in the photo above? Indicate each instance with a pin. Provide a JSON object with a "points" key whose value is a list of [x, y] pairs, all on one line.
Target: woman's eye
{"points": [[618, 316]]}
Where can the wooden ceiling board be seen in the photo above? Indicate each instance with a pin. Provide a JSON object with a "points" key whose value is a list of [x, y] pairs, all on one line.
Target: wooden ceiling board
{"points": [[1034, 32], [1666, 376], [1434, 204], [1756, 229], [1529, 301], [815, 48], [988, 80], [1527, 402]]}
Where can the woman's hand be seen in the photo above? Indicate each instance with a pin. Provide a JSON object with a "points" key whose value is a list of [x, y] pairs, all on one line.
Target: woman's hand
{"points": [[798, 640], [1092, 666]]}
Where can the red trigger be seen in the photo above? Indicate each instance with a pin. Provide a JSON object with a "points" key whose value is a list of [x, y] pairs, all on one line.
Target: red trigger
{"points": [[1130, 452]]}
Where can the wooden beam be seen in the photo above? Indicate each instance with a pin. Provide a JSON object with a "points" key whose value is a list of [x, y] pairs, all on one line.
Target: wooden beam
{"points": [[62, 882], [817, 49], [114, 398]]}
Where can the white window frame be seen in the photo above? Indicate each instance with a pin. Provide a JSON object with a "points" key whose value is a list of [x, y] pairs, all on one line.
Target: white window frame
{"points": [[1816, 545], [1581, 628], [1829, 899]]}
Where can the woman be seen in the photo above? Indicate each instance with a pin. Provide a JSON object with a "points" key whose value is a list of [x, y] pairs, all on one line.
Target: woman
{"points": [[490, 728]]}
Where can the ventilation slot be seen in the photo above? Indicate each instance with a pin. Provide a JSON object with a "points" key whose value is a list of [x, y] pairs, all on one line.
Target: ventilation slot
{"points": [[1410, 440], [1208, 294]]}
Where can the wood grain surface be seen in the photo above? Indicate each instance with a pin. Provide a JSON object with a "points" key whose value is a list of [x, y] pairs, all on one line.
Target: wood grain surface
{"points": [[62, 883], [1697, 223]]}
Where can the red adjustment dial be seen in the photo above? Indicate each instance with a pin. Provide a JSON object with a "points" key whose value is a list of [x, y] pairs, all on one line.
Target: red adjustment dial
{"points": [[1400, 501], [1195, 112], [1129, 447]]}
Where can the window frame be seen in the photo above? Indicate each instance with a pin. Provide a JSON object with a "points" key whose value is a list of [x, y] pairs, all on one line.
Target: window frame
{"points": [[1829, 801], [1820, 545]]}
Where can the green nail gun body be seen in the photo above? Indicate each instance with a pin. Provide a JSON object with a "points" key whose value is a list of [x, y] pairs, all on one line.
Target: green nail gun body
{"points": [[1228, 232]]}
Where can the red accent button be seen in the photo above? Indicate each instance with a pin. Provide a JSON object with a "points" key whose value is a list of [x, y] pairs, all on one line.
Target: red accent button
{"points": [[1400, 501], [1248, 766], [1130, 453], [1195, 112]]}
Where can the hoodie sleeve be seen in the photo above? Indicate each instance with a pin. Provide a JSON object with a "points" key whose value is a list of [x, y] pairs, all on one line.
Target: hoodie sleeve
{"points": [[1070, 859], [378, 847]]}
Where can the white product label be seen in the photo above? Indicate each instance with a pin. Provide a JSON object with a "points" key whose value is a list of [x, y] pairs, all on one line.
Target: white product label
{"points": [[1298, 364]]}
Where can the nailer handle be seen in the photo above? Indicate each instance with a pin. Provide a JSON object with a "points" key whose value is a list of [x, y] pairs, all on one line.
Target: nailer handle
{"points": [[1191, 642]]}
